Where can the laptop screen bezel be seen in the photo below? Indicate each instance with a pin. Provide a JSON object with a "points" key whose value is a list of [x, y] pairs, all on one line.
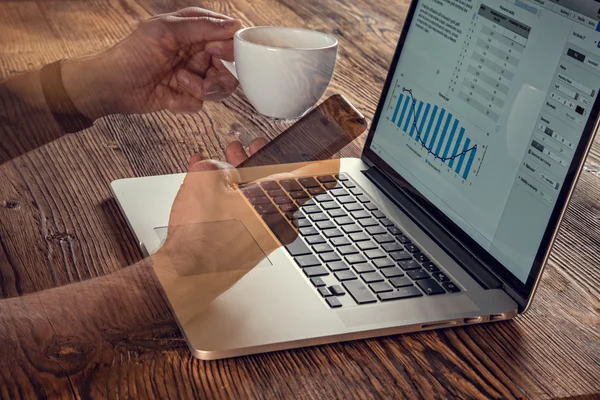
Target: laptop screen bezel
{"points": [[523, 290]]}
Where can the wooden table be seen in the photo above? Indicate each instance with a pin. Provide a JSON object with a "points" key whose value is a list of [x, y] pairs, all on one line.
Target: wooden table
{"points": [[59, 224]]}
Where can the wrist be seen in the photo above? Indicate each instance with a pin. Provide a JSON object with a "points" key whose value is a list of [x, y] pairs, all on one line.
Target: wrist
{"points": [[88, 86]]}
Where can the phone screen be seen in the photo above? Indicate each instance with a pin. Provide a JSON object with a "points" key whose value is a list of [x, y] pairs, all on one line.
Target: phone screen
{"points": [[318, 135]]}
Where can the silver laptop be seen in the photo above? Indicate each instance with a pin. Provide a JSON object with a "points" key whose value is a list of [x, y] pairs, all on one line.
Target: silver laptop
{"points": [[486, 117]]}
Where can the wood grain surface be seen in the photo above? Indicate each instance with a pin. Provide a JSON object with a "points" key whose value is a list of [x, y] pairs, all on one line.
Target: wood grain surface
{"points": [[60, 225]]}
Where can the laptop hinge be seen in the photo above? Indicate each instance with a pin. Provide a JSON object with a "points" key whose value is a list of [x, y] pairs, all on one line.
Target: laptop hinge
{"points": [[475, 268]]}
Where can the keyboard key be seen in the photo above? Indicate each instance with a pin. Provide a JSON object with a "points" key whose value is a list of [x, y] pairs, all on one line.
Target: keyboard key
{"points": [[288, 208], [431, 267], [336, 212], [366, 222], [315, 271], [344, 220], [315, 191], [346, 275], [375, 230], [326, 178], [290, 185], [317, 282], [318, 217], [389, 247], [373, 254], [280, 227], [311, 209], [307, 261], [411, 248], [282, 201], [333, 302], [349, 184], [355, 259], [385, 238], [331, 233], [329, 257], [440, 277], [256, 200], [338, 192], [297, 248], [402, 293], [331, 185], [323, 198], [308, 182], [360, 214], [301, 223], [362, 268], [381, 287], [391, 272], [417, 274], [308, 231], [371, 277], [386, 222], [342, 177], [277, 193], [408, 265], [383, 263], [401, 281], [430, 287], [346, 250], [359, 237], [370, 206], [322, 225], [379, 215], [420, 257], [330, 205], [337, 290], [353, 207], [340, 241], [356, 191], [269, 185], [322, 248], [451, 287], [394, 230], [324, 292], [367, 245], [266, 209], [351, 228], [362, 198], [337, 266], [359, 292], [291, 215], [400, 256], [346, 199], [298, 195], [403, 239]]}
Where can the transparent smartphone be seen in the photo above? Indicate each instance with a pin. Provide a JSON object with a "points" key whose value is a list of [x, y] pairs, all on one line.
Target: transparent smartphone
{"points": [[318, 135]]}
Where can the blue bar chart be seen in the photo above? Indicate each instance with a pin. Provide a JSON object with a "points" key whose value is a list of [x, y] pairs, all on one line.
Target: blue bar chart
{"points": [[437, 131]]}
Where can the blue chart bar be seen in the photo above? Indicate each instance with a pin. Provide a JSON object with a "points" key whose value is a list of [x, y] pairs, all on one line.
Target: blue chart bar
{"points": [[435, 109], [439, 146], [447, 149], [403, 110], [414, 126], [456, 147], [397, 108], [436, 130], [462, 155]]}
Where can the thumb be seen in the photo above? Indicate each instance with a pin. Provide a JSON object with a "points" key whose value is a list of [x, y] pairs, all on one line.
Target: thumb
{"points": [[188, 30]]}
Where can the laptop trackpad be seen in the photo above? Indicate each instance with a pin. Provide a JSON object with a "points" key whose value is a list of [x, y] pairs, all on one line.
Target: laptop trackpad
{"points": [[210, 247], [408, 311]]}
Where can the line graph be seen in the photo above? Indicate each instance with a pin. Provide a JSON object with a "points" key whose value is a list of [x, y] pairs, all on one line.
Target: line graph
{"points": [[436, 131]]}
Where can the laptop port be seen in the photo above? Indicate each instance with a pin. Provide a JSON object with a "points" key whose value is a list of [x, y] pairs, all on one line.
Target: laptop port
{"points": [[497, 317], [473, 320]]}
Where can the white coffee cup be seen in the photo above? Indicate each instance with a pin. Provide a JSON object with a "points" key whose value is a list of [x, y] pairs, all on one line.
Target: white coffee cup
{"points": [[283, 71]]}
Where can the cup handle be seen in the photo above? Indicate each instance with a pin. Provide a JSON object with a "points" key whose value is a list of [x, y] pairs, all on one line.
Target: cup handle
{"points": [[231, 68]]}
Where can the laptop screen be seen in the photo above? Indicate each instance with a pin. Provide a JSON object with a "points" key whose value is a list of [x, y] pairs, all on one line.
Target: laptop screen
{"points": [[485, 111]]}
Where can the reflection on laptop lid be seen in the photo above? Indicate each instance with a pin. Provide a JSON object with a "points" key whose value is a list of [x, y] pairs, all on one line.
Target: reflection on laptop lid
{"points": [[487, 114]]}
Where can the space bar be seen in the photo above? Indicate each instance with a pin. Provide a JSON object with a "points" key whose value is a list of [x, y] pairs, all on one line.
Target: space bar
{"points": [[359, 292]]}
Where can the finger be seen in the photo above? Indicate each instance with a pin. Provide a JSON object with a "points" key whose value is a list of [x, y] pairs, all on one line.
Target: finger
{"points": [[257, 144], [219, 84], [200, 29], [196, 158], [198, 12], [199, 63], [191, 83], [222, 49], [235, 153]]}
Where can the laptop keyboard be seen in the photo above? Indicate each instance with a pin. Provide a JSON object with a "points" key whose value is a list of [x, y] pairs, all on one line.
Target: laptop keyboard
{"points": [[333, 229]]}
